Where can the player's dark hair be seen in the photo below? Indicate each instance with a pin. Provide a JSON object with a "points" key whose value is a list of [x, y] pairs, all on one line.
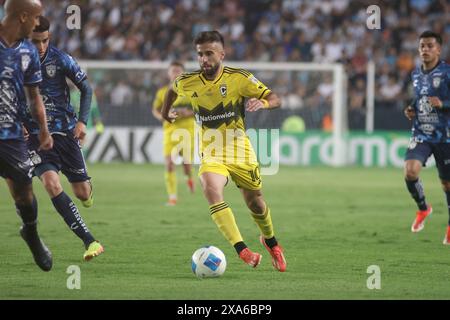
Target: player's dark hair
{"points": [[209, 36], [431, 34], [44, 25], [177, 63]]}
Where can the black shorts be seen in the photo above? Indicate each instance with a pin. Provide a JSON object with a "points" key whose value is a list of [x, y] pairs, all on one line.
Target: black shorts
{"points": [[14, 161], [423, 150], [65, 156]]}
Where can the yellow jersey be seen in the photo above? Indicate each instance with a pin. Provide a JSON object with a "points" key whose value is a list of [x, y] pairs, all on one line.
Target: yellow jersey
{"points": [[219, 108]]}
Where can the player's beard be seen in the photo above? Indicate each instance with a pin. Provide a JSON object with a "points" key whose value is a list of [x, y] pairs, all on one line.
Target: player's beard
{"points": [[212, 71]]}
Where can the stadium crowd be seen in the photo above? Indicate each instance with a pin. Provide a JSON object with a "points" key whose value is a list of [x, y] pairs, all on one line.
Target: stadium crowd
{"points": [[260, 31]]}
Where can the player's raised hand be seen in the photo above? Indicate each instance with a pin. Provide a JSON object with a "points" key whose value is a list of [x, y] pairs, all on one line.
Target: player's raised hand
{"points": [[46, 140], [435, 102], [254, 104], [171, 116], [80, 131], [409, 112]]}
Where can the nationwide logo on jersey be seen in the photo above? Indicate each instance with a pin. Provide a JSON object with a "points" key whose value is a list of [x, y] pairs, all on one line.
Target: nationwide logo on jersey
{"points": [[219, 115], [223, 90], [51, 70], [25, 62], [436, 82]]}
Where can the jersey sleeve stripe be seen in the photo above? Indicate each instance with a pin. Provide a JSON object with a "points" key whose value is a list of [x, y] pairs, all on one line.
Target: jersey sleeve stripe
{"points": [[263, 94], [234, 70]]}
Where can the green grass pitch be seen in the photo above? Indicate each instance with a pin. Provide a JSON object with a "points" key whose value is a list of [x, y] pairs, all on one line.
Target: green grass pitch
{"points": [[333, 224]]}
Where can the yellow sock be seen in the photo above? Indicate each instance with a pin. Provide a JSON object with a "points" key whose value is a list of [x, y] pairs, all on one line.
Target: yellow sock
{"points": [[224, 219], [171, 183], [264, 222]]}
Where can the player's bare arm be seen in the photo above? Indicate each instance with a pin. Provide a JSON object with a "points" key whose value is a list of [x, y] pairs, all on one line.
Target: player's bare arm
{"points": [[38, 113], [157, 114], [79, 131], [271, 101], [166, 113], [409, 112]]}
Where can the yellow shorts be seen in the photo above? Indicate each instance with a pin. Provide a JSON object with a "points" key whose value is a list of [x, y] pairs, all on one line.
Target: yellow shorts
{"points": [[179, 139], [245, 175]]}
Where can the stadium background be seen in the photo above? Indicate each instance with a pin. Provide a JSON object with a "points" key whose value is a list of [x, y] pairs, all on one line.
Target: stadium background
{"points": [[342, 221], [259, 31]]}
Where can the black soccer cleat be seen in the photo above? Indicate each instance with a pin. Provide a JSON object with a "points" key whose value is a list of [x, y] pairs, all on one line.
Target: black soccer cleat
{"points": [[41, 254]]}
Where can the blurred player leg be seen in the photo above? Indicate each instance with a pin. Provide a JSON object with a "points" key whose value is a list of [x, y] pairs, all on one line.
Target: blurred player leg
{"points": [[415, 188], [84, 192], [66, 207], [27, 209], [170, 177], [446, 187], [188, 172]]}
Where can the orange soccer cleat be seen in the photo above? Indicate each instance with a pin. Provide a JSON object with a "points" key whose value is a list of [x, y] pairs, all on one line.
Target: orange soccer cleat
{"points": [[171, 202], [447, 236], [250, 258], [191, 185], [278, 260], [419, 222]]}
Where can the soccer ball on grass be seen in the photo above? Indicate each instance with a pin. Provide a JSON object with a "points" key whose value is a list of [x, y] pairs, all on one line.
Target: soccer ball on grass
{"points": [[208, 262]]}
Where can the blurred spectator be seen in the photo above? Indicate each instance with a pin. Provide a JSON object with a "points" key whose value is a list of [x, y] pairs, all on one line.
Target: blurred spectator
{"points": [[390, 91], [121, 95]]}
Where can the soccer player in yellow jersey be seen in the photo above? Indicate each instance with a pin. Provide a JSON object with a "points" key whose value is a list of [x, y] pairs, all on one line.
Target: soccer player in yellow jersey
{"points": [[218, 94], [185, 122]]}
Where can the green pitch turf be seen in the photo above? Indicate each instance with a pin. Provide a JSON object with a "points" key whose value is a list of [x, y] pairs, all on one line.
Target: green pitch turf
{"points": [[333, 224]]}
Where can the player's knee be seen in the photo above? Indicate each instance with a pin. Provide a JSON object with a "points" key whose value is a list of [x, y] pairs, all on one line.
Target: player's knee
{"points": [[82, 195], [23, 198], [53, 187], [411, 173], [82, 190], [212, 194], [256, 205], [170, 166]]}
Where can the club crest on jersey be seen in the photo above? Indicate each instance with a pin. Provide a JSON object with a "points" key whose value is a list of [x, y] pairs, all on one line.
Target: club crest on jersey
{"points": [[223, 90], [51, 70], [436, 82], [34, 158], [25, 62]]}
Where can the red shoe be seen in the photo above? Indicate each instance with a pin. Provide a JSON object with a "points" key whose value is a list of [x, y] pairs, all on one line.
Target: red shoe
{"points": [[278, 260], [171, 202], [419, 222], [447, 236], [250, 258], [191, 185]]}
